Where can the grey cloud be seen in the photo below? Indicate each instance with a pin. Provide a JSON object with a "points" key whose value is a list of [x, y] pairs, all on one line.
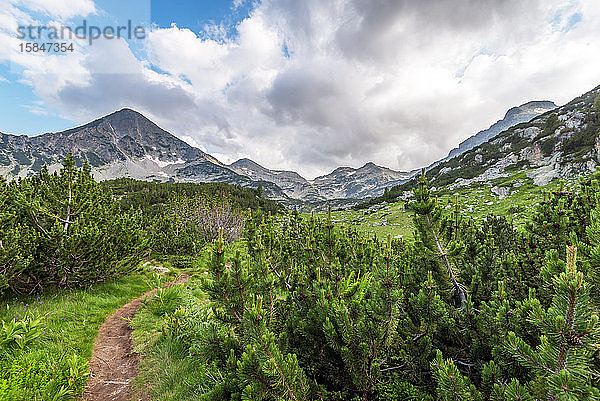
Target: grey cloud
{"points": [[170, 106], [300, 95], [108, 92], [396, 82]]}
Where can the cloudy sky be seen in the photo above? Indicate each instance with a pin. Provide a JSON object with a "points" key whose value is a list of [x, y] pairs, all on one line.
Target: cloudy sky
{"points": [[304, 85]]}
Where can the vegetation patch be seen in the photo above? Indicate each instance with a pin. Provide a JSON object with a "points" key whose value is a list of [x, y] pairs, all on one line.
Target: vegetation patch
{"points": [[61, 230], [46, 341], [309, 308]]}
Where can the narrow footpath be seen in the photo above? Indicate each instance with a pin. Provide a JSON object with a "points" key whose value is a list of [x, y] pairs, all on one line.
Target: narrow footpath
{"points": [[114, 365]]}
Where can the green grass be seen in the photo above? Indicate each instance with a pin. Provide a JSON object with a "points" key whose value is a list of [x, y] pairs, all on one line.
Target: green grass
{"points": [[171, 372], [391, 219], [46, 369], [475, 201], [167, 369]]}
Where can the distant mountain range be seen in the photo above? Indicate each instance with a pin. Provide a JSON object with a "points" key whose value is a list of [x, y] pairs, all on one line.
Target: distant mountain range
{"points": [[344, 182], [127, 144]]}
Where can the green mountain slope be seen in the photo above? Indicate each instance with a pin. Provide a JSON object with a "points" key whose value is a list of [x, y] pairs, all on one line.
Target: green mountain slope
{"points": [[561, 144]]}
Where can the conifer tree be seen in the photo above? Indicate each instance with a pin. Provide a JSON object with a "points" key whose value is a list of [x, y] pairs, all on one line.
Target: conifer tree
{"points": [[552, 123], [77, 233], [242, 298], [590, 247], [562, 361], [489, 252], [513, 391], [17, 240], [428, 320], [552, 224], [432, 230], [451, 384]]}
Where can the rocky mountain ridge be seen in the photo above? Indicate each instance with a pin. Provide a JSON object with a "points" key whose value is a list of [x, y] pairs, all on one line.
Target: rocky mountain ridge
{"points": [[513, 116], [560, 144], [127, 144], [122, 144]]}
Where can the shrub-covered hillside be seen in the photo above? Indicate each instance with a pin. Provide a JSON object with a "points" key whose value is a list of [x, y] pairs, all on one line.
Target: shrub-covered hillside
{"points": [[66, 230], [295, 307], [151, 197], [468, 311]]}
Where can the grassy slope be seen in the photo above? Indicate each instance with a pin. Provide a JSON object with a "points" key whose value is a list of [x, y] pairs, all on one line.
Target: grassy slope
{"points": [[475, 201], [70, 320], [390, 219]]}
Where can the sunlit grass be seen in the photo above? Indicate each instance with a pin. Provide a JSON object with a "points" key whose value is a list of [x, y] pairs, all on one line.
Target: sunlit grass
{"points": [[70, 320], [475, 202]]}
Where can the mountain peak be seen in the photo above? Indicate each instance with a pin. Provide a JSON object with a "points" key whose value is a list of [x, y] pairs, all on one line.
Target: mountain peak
{"points": [[530, 108], [127, 113], [247, 165], [125, 110], [513, 116], [539, 103], [244, 160], [371, 166]]}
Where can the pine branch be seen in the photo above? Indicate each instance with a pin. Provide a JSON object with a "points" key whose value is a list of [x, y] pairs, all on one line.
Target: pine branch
{"points": [[459, 288]]}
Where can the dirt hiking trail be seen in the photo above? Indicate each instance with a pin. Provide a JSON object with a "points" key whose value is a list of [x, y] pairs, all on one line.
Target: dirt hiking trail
{"points": [[114, 366]]}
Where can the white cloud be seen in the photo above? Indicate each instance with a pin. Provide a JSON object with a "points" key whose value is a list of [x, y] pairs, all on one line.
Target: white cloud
{"points": [[313, 85], [238, 3]]}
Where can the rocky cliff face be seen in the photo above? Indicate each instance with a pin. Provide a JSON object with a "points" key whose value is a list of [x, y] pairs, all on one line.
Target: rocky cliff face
{"points": [[563, 143], [514, 116]]}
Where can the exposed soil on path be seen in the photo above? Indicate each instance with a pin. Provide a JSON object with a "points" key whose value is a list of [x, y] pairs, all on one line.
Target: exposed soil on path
{"points": [[114, 365]]}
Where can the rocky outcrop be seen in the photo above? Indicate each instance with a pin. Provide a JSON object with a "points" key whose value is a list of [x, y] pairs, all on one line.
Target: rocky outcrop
{"points": [[501, 192], [564, 147], [514, 116]]}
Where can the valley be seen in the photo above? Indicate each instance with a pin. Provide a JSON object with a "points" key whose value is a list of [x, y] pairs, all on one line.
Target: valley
{"points": [[402, 272], [314, 200]]}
